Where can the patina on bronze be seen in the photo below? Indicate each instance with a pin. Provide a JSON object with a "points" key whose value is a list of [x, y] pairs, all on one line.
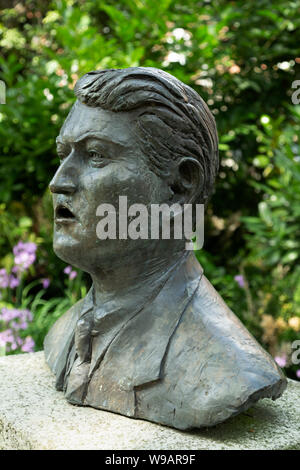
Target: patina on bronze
{"points": [[152, 339]]}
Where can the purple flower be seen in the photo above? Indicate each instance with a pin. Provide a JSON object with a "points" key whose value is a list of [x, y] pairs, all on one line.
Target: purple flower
{"points": [[9, 314], [6, 336], [72, 274], [281, 360], [8, 280], [24, 260], [24, 255], [4, 279], [28, 345], [15, 321], [21, 247], [13, 281], [13, 346], [239, 278], [298, 373], [68, 270], [25, 315], [46, 282], [19, 326]]}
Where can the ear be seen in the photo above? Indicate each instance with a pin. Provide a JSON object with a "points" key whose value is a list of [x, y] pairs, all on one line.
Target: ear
{"points": [[188, 185]]}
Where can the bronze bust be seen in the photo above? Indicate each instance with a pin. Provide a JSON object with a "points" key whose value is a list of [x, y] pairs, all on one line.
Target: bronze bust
{"points": [[152, 339]]}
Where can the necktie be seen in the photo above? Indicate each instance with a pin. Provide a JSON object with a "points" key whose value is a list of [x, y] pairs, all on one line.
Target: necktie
{"points": [[83, 336]]}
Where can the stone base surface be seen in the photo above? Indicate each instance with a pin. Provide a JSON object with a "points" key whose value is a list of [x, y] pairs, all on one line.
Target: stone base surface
{"points": [[33, 415]]}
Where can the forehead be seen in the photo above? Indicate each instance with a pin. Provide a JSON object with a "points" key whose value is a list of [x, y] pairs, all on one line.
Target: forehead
{"points": [[83, 121]]}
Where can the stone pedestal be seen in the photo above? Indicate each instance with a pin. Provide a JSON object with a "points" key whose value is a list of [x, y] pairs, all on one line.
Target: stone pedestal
{"points": [[33, 415]]}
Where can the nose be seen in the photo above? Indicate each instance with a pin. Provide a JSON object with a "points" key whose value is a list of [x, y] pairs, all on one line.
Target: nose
{"points": [[64, 180]]}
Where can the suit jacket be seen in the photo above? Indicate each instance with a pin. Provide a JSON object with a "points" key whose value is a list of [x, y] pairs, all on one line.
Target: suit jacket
{"points": [[184, 360]]}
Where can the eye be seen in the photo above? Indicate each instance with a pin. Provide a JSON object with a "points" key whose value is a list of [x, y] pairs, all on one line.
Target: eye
{"points": [[62, 151], [61, 156], [95, 155], [97, 158]]}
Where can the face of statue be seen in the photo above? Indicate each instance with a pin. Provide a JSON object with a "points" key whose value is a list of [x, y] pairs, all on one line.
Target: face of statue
{"points": [[100, 161]]}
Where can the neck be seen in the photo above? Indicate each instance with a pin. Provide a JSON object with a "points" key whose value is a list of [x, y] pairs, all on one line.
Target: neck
{"points": [[133, 283]]}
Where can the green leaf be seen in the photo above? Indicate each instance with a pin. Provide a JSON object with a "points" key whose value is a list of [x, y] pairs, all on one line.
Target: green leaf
{"points": [[261, 161], [290, 257], [265, 212]]}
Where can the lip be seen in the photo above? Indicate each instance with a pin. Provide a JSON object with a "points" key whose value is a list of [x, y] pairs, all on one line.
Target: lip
{"points": [[63, 214]]}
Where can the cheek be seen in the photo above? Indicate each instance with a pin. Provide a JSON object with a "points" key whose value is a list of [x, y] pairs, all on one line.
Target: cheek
{"points": [[105, 185]]}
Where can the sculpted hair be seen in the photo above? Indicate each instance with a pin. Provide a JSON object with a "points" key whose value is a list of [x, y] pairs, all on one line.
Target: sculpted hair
{"points": [[174, 122]]}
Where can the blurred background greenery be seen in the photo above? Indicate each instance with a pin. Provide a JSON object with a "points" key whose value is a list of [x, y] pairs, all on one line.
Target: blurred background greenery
{"points": [[242, 57]]}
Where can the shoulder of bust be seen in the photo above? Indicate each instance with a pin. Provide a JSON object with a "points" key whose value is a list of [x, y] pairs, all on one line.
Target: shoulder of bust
{"points": [[213, 369]]}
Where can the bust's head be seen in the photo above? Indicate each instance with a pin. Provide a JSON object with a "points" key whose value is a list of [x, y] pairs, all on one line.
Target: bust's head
{"points": [[136, 132]]}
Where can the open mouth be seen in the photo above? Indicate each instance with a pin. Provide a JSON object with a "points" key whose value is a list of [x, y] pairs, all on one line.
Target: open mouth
{"points": [[63, 214]]}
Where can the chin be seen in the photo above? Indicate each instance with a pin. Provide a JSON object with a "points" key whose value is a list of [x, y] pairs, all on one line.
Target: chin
{"points": [[68, 250], [79, 254], [65, 254]]}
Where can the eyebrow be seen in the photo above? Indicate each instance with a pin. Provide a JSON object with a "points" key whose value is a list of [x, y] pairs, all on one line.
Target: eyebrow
{"points": [[89, 135]]}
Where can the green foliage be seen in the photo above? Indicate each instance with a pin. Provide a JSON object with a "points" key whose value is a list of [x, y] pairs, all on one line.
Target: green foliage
{"points": [[242, 57]]}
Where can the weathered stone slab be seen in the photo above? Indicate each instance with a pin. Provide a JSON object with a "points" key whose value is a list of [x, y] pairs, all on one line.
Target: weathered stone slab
{"points": [[33, 415]]}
